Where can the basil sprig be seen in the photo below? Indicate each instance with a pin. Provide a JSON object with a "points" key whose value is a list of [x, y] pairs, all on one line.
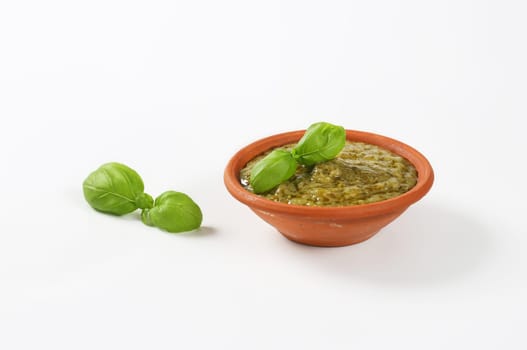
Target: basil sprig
{"points": [[321, 142], [115, 188]]}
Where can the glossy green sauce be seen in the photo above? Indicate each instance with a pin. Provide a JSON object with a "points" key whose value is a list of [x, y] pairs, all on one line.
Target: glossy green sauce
{"points": [[362, 173]]}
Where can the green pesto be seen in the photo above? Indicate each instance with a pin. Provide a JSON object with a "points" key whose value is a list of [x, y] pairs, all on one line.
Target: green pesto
{"points": [[360, 174]]}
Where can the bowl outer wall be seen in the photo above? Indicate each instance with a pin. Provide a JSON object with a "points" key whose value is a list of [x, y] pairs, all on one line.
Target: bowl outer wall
{"points": [[327, 232], [397, 204]]}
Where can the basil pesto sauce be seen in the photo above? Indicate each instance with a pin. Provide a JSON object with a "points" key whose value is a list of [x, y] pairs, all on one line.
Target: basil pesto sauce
{"points": [[362, 173]]}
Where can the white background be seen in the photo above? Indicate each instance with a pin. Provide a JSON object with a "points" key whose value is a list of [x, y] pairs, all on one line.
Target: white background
{"points": [[174, 88]]}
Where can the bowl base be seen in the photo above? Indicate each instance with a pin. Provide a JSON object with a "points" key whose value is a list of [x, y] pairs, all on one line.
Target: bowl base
{"points": [[328, 243]]}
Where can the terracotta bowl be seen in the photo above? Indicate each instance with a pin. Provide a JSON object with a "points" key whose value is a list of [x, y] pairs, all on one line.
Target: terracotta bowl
{"points": [[328, 226]]}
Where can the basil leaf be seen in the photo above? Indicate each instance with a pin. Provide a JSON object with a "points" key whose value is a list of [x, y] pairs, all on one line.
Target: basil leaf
{"points": [[116, 189], [275, 168], [321, 142], [173, 212]]}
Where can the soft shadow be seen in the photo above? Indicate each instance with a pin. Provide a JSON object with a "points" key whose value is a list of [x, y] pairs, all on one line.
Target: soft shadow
{"points": [[133, 216], [426, 245], [200, 232]]}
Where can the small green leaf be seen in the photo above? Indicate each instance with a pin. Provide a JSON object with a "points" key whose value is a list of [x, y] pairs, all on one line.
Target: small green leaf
{"points": [[114, 188], [173, 212], [275, 168], [321, 142]]}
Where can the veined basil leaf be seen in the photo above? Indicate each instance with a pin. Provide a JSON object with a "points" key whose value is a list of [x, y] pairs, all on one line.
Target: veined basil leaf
{"points": [[115, 188], [321, 142], [173, 212], [275, 168]]}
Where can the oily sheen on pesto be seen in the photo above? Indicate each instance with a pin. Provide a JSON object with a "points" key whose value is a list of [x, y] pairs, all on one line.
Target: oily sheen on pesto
{"points": [[362, 173]]}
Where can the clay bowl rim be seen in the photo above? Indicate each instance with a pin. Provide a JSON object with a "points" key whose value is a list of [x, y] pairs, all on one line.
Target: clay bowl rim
{"points": [[425, 178]]}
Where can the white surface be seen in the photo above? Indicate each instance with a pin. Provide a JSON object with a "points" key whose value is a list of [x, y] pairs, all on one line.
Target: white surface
{"points": [[170, 86]]}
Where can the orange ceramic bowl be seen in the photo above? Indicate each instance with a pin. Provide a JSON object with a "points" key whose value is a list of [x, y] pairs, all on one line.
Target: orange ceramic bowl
{"points": [[328, 226]]}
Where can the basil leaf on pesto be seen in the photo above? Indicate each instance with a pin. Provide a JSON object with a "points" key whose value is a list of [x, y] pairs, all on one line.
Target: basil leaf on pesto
{"points": [[321, 142], [277, 167]]}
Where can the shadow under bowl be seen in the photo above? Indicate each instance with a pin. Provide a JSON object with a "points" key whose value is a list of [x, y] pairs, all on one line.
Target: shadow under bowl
{"points": [[328, 226]]}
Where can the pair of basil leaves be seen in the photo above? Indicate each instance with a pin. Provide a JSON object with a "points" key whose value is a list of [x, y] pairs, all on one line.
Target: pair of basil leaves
{"points": [[117, 189], [321, 142]]}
